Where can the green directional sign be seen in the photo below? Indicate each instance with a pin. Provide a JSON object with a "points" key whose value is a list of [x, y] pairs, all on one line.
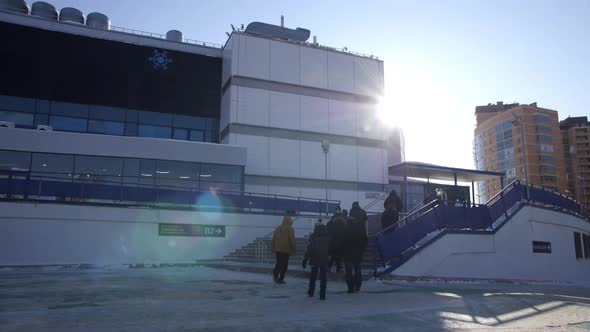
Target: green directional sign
{"points": [[191, 230]]}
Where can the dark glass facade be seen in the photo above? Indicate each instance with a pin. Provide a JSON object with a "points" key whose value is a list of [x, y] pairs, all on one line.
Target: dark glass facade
{"points": [[125, 171], [83, 84]]}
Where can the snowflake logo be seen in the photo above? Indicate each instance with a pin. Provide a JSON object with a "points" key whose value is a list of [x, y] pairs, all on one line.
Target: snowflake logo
{"points": [[160, 60]]}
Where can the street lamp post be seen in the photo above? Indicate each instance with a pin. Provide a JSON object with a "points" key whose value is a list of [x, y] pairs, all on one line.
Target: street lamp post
{"points": [[518, 123], [326, 149]]}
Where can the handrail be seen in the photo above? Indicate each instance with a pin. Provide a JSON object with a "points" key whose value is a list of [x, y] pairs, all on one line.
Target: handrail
{"points": [[18, 185], [391, 243], [71, 179]]}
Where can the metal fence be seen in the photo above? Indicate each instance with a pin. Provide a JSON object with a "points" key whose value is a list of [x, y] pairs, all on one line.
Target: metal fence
{"points": [[19, 185], [396, 241]]}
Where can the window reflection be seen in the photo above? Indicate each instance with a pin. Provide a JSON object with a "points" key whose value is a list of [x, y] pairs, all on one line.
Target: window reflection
{"points": [[54, 165], [27, 112], [14, 160], [154, 131], [96, 168], [129, 171], [68, 124]]}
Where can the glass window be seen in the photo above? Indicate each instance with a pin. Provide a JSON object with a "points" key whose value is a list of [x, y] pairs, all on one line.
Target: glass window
{"points": [[176, 173], [131, 115], [105, 127], [130, 129], [544, 139], [548, 169], [543, 128], [68, 124], [43, 106], [181, 134], [107, 113], [154, 131], [542, 117], [546, 148], [547, 159], [99, 168], [197, 136], [69, 109], [130, 170], [23, 119], [14, 160], [578, 245], [192, 122], [147, 171], [58, 165], [41, 119], [155, 118], [18, 104], [221, 173]]}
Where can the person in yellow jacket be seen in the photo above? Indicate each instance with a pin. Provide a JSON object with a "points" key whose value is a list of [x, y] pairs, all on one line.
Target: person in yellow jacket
{"points": [[283, 245]]}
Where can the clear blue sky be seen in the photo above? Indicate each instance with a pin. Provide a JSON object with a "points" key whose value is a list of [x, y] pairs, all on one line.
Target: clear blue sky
{"points": [[442, 58]]}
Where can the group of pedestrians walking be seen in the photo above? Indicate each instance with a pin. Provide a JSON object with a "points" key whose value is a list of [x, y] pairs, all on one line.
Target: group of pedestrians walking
{"points": [[343, 240]]}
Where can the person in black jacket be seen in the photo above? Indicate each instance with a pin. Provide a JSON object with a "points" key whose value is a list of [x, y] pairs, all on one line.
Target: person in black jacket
{"points": [[317, 254], [389, 217], [336, 229], [356, 243]]}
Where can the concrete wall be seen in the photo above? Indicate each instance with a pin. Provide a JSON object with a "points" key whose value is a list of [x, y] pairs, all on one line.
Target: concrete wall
{"points": [[508, 253], [44, 234]]}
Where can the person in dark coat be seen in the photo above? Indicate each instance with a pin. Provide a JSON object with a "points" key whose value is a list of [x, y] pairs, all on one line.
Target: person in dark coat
{"points": [[317, 254], [356, 243], [393, 202], [389, 217], [336, 229], [359, 214]]}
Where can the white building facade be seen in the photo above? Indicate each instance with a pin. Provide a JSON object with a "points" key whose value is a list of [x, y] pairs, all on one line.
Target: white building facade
{"points": [[281, 100]]}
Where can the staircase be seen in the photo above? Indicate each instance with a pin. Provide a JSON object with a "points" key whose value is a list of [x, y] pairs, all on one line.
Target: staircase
{"points": [[259, 250]]}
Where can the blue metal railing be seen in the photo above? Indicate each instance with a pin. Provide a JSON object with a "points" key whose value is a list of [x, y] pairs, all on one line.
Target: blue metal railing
{"points": [[65, 188], [396, 241]]}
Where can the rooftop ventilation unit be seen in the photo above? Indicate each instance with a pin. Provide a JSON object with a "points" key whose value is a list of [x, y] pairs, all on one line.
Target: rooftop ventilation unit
{"points": [[71, 15], [44, 10], [17, 6], [174, 35], [275, 31], [98, 20]]}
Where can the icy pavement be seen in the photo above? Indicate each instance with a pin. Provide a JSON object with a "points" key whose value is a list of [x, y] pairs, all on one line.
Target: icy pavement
{"points": [[196, 298]]}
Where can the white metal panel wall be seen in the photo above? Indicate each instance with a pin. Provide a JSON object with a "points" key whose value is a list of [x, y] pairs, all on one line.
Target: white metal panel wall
{"points": [[284, 110], [367, 77], [314, 67], [229, 54], [254, 57], [342, 162], [312, 161], [257, 157], [342, 117], [370, 164], [314, 114], [253, 106], [368, 125], [284, 62], [284, 157], [340, 72]]}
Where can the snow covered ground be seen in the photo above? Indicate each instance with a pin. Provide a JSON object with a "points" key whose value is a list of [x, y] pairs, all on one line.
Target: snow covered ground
{"points": [[200, 298]]}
